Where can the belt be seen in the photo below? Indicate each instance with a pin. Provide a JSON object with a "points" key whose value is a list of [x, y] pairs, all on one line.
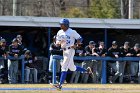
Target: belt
{"points": [[66, 48]]}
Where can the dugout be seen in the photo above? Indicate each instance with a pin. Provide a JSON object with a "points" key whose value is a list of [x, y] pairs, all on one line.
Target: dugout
{"points": [[43, 28], [38, 31]]}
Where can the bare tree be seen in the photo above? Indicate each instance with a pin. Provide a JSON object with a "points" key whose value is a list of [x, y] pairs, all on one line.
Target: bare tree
{"points": [[124, 8]]}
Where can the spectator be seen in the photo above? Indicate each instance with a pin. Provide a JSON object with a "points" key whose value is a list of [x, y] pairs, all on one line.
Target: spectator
{"points": [[100, 51], [54, 50], [29, 67], [19, 38], [4, 54], [114, 52], [88, 63], [15, 51], [79, 51], [126, 52], [134, 65]]}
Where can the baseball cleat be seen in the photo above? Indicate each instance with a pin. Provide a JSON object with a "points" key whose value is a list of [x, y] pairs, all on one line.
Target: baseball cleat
{"points": [[57, 86]]}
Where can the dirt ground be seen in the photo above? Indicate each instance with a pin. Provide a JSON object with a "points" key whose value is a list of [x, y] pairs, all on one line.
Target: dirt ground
{"points": [[70, 88]]}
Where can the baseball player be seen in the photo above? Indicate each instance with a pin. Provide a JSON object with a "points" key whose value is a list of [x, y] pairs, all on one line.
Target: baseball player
{"points": [[66, 38]]}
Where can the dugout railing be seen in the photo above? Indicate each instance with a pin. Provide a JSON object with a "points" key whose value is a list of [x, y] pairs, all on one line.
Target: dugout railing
{"points": [[103, 59], [21, 58]]}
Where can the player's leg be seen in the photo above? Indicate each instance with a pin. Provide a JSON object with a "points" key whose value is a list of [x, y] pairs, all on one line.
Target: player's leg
{"points": [[67, 56]]}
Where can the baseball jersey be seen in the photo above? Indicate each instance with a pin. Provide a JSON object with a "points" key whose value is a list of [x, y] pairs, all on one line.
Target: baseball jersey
{"points": [[67, 38]]}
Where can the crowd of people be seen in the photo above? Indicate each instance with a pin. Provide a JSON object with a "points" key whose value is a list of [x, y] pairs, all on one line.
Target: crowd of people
{"points": [[122, 72], [10, 69], [117, 72]]}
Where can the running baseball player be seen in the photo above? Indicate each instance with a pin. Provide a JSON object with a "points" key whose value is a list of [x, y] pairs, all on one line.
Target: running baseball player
{"points": [[66, 38]]}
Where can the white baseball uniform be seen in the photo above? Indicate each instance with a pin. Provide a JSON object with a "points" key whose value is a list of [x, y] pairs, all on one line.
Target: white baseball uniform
{"points": [[66, 40]]}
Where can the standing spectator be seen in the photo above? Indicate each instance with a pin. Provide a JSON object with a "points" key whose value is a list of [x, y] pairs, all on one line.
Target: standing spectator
{"points": [[19, 38], [134, 65], [29, 67], [79, 51], [126, 52], [54, 50], [4, 54], [100, 51], [88, 63], [15, 51], [114, 52]]}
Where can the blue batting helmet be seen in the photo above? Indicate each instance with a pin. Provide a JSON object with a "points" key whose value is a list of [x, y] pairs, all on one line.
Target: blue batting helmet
{"points": [[64, 22]]}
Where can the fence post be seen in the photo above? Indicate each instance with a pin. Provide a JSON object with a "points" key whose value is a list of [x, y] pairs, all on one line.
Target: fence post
{"points": [[54, 71], [103, 78]]}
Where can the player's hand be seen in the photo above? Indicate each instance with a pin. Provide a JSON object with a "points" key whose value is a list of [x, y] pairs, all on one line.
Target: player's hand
{"points": [[116, 56], [138, 55], [95, 54], [129, 54], [80, 54], [103, 55], [74, 46]]}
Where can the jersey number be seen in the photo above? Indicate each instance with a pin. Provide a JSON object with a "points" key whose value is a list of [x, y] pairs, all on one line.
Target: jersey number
{"points": [[68, 42]]}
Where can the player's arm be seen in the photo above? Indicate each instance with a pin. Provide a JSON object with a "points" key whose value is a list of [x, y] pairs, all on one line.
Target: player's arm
{"points": [[58, 43], [79, 40], [58, 40]]}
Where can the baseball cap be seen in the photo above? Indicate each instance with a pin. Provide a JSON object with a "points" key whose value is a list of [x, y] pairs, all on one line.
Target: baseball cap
{"points": [[19, 36], [3, 40], [101, 43], [28, 52], [15, 40], [114, 43], [92, 43], [126, 43], [137, 45]]}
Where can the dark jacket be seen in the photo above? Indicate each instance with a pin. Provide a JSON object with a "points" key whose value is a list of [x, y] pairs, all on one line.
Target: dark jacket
{"points": [[55, 50], [29, 62], [100, 52], [3, 50], [15, 50], [124, 52], [88, 51], [112, 52]]}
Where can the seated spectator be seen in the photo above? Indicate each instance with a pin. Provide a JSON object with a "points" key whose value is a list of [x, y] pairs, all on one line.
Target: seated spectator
{"points": [[29, 67]]}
